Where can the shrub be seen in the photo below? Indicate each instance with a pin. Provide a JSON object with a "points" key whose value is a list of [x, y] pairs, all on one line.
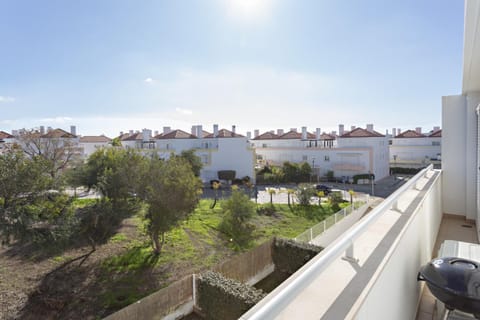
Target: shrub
{"points": [[289, 255], [363, 176], [223, 299], [238, 211], [304, 193]]}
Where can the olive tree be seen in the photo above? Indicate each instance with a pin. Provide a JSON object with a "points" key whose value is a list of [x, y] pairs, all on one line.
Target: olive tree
{"points": [[171, 192]]}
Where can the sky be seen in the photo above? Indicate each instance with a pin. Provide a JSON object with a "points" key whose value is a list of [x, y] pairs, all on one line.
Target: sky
{"points": [[116, 65]]}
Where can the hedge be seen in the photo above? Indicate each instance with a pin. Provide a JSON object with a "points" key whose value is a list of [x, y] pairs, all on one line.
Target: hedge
{"points": [[363, 176], [222, 298], [289, 255], [400, 170]]}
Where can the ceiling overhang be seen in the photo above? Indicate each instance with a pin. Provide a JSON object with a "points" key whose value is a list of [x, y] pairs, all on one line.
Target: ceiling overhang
{"points": [[471, 48]]}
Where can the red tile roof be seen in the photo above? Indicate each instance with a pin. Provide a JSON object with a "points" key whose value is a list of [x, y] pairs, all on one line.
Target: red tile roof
{"points": [[361, 133], [326, 136], [58, 133], [5, 135], [436, 134], [94, 139], [267, 135], [224, 133], [410, 134], [131, 137], [296, 135], [175, 134]]}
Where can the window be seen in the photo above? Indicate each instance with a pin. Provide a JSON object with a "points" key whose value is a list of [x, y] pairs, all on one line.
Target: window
{"points": [[264, 145], [304, 158], [435, 143], [205, 159], [327, 158]]}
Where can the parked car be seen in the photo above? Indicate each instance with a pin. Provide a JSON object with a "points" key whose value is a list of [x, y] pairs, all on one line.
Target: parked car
{"points": [[321, 187]]}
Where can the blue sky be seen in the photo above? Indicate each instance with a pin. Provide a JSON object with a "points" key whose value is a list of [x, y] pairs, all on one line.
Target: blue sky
{"points": [[114, 65]]}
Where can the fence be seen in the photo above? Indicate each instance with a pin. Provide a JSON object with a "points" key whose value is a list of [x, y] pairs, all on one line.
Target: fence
{"points": [[250, 265], [158, 304], [313, 232]]}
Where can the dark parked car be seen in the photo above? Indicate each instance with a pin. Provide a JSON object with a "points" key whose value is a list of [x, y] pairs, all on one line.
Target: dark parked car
{"points": [[321, 187]]}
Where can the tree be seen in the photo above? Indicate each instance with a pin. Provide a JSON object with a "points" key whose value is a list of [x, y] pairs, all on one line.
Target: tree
{"points": [[304, 194], [351, 193], [271, 192], [115, 173], [171, 191], [238, 211], [320, 195], [290, 193], [194, 161], [215, 185], [57, 148], [29, 210]]}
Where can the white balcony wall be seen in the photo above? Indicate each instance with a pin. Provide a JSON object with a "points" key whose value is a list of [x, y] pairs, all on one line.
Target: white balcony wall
{"points": [[459, 156], [394, 292]]}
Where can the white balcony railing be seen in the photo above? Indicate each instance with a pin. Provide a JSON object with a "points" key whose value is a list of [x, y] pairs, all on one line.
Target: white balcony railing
{"points": [[426, 217]]}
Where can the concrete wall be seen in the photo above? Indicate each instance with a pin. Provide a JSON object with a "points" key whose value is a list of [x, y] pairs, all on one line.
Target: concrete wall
{"points": [[454, 149], [395, 292]]}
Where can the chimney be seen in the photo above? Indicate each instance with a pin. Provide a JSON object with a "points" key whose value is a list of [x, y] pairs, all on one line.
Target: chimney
{"points": [[341, 129], [215, 130], [130, 132], [436, 129], [293, 129], [15, 133], [42, 129], [73, 130], [352, 128], [121, 133], [167, 130], [234, 128], [49, 129], [318, 133], [256, 133], [146, 134], [156, 133], [418, 130], [370, 127], [399, 131], [334, 133], [280, 132], [394, 132], [194, 130], [199, 132], [249, 135], [304, 133]]}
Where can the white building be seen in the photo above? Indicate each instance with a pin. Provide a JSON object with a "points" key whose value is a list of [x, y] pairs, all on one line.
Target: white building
{"points": [[89, 144], [6, 140], [220, 150], [355, 152], [414, 149]]}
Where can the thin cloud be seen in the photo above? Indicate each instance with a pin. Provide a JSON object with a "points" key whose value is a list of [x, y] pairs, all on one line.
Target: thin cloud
{"points": [[148, 80], [6, 99]]}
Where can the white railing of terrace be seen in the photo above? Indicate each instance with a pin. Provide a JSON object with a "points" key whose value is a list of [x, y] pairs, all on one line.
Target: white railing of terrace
{"points": [[313, 232], [345, 243]]}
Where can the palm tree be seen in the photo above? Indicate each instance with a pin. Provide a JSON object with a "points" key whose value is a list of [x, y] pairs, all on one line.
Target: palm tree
{"points": [[290, 192], [271, 192], [320, 195], [215, 186]]}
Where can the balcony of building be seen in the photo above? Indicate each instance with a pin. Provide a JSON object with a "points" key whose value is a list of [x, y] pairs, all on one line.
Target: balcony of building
{"points": [[370, 272]]}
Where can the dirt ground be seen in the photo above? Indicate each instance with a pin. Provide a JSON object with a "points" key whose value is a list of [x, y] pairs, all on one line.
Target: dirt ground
{"points": [[55, 287]]}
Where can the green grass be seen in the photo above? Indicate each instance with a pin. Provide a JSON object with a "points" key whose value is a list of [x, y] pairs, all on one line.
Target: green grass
{"points": [[197, 242], [119, 237]]}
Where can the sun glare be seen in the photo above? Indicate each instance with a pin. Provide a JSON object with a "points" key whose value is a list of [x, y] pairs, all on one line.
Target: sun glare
{"points": [[249, 9]]}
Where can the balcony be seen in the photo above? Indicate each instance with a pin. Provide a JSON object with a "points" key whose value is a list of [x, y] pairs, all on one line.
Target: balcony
{"points": [[370, 272]]}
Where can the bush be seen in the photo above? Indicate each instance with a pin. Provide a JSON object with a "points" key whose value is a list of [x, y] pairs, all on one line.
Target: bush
{"points": [[223, 299], [304, 193], [335, 199], [398, 170], [289, 255], [228, 175], [367, 176], [238, 210]]}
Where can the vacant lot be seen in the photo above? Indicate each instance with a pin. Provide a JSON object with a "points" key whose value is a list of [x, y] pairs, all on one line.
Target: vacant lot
{"points": [[75, 283]]}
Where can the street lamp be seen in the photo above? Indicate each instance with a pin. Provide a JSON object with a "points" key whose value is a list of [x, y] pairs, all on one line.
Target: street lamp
{"points": [[372, 178]]}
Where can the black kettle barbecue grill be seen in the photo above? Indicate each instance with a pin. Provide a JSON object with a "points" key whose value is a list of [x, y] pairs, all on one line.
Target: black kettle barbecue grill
{"points": [[455, 282]]}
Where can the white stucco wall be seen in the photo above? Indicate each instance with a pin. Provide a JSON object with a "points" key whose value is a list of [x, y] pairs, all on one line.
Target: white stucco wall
{"points": [[90, 147], [454, 148]]}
